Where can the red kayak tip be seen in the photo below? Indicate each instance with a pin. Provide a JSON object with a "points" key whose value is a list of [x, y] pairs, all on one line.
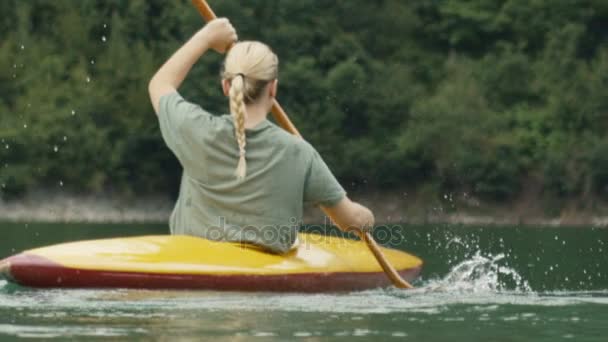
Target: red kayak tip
{"points": [[5, 268]]}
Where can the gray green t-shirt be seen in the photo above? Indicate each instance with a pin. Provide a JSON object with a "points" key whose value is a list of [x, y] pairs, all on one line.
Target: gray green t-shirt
{"points": [[283, 173]]}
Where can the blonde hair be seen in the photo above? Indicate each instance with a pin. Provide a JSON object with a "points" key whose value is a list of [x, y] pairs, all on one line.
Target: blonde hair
{"points": [[249, 66]]}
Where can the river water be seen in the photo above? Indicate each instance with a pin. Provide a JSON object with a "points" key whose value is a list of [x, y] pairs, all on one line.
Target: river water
{"points": [[478, 284]]}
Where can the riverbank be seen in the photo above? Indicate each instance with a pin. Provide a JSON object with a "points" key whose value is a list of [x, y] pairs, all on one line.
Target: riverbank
{"points": [[389, 207], [70, 208]]}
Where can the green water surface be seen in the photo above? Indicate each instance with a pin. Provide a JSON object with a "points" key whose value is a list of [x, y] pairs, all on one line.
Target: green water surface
{"points": [[478, 284]]}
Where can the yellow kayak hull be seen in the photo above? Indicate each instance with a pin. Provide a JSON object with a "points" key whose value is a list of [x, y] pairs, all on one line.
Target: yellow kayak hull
{"points": [[320, 263]]}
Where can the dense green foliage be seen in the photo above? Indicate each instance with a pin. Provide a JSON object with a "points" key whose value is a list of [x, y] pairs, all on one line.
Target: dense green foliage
{"points": [[472, 95]]}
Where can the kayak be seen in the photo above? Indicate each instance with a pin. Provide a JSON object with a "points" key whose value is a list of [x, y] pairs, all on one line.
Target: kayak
{"points": [[319, 264]]}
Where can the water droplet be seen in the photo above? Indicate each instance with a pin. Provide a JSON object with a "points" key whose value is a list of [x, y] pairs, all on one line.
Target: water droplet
{"points": [[92, 61], [73, 112], [60, 183], [56, 148], [7, 146], [24, 125], [103, 39], [22, 47], [65, 138], [88, 79], [104, 25]]}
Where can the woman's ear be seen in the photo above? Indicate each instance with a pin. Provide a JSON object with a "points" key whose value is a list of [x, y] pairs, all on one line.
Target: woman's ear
{"points": [[226, 87], [272, 90]]}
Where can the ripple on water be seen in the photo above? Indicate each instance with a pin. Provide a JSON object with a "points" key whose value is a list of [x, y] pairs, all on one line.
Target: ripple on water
{"points": [[29, 331], [166, 304]]}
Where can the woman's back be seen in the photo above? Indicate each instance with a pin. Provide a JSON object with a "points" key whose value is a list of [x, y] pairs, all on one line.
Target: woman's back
{"points": [[265, 207]]}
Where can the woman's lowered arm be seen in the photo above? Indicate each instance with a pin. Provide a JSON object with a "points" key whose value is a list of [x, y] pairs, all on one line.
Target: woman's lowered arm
{"points": [[348, 215]]}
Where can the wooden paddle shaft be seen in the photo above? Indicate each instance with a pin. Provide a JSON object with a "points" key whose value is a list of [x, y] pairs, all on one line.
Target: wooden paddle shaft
{"points": [[283, 120]]}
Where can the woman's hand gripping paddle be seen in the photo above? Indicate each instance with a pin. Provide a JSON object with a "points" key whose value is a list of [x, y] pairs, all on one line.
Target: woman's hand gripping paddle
{"points": [[283, 120]]}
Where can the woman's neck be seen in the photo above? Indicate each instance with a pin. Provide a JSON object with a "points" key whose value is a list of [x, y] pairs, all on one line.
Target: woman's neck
{"points": [[256, 113]]}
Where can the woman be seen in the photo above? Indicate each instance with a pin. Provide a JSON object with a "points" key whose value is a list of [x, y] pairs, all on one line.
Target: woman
{"points": [[244, 179]]}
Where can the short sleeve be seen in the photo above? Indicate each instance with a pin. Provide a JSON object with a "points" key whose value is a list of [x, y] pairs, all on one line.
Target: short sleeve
{"points": [[182, 124], [320, 186]]}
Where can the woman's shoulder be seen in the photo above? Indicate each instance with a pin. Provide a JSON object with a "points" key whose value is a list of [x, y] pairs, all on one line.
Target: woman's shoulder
{"points": [[291, 142], [176, 107]]}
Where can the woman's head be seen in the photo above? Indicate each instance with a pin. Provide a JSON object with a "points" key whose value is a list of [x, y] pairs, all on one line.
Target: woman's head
{"points": [[251, 69], [256, 62]]}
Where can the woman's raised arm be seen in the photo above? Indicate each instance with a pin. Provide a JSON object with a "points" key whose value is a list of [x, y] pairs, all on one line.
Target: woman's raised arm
{"points": [[218, 35]]}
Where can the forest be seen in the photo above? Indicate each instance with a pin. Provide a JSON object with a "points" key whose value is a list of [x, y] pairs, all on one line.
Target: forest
{"points": [[484, 97]]}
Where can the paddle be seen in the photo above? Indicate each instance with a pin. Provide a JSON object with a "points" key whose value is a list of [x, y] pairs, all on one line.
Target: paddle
{"points": [[283, 120]]}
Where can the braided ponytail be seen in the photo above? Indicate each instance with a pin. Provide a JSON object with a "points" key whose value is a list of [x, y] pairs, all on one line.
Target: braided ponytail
{"points": [[239, 112], [250, 67]]}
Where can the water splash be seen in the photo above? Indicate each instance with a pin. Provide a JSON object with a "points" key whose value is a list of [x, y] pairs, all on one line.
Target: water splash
{"points": [[480, 274]]}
